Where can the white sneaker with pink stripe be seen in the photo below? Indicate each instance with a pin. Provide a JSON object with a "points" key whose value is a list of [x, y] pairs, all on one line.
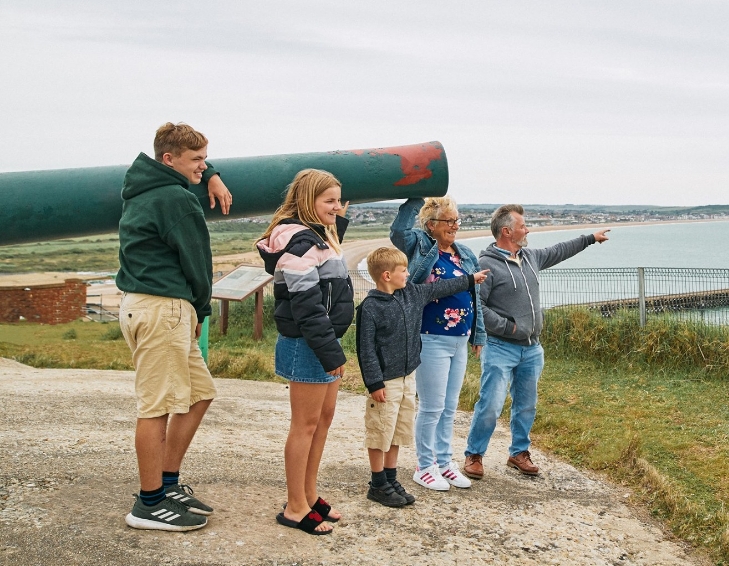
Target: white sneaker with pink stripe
{"points": [[430, 477], [452, 474]]}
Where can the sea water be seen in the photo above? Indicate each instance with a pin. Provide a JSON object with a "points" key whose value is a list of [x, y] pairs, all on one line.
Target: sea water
{"points": [[698, 245], [681, 245]]}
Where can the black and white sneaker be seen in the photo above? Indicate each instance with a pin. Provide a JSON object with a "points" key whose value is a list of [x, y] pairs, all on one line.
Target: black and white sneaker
{"points": [[168, 515], [183, 494]]}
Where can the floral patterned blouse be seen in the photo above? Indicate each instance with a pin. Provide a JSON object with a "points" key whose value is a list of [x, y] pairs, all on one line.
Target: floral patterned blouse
{"points": [[452, 315]]}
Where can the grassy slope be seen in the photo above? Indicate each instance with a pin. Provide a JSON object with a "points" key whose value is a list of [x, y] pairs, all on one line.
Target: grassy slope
{"points": [[101, 253]]}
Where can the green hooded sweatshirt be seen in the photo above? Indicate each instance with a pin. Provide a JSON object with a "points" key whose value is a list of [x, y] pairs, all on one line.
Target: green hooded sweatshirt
{"points": [[164, 244]]}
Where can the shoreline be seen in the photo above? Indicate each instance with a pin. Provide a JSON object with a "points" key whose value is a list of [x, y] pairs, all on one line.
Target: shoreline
{"points": [[354, 251], [593, 227], [356, 254]]}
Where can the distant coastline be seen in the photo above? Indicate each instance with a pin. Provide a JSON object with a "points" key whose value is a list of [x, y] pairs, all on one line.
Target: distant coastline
{"points": [[356, 252], [591, 227]]}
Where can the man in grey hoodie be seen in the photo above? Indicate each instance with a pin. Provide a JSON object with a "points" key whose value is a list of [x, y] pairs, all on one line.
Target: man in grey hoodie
{"points": [[513, 358]]}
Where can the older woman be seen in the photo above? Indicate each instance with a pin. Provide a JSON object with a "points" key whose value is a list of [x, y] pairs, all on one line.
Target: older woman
{"points": [[449, 324]]}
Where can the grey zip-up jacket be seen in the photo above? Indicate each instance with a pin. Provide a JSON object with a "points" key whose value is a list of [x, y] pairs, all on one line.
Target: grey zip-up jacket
{"points": [[388, 328], [510, 294]]}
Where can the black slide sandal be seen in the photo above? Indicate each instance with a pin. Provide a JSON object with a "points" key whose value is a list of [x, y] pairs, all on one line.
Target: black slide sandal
{"points": [[308, 524], [323, 508]]}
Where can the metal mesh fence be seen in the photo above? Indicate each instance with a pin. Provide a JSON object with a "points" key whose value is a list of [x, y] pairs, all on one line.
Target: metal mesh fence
{"points": [[693, 294]]}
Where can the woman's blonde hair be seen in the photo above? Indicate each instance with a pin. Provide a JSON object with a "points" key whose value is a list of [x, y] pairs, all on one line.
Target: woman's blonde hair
{"points": [[433, 208], [299, 202]]}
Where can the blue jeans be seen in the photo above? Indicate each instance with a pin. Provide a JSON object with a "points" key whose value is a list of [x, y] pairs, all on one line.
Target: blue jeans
{"points": [[516, 368], [438, 382]]}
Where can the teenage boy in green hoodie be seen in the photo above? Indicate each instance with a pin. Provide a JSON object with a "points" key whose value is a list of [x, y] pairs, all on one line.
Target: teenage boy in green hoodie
{"points": [[166, 275]]}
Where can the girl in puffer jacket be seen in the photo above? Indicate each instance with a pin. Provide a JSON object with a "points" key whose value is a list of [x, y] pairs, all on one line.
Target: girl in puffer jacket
{"points": [[313, 309]]}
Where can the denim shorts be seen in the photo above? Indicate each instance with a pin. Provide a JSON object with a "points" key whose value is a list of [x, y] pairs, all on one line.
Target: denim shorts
{"points": [[295, 361]]}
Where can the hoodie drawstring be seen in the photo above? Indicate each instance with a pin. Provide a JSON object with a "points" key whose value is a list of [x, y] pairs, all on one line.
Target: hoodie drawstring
{"points": [[510, 273]]}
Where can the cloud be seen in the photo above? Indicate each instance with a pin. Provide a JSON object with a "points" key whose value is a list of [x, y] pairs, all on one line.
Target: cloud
{"points": [[566, 101]]}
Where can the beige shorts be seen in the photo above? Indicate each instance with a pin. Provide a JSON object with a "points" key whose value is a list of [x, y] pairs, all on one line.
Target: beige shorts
{"points": [[391, 423], [171, 373]]}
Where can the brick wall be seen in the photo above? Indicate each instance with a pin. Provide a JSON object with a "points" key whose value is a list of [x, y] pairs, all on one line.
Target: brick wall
{"points": [[48, 304]]}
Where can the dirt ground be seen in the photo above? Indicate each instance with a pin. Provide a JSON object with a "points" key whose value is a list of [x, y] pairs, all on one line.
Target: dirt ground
{"points": [[68, 471]]}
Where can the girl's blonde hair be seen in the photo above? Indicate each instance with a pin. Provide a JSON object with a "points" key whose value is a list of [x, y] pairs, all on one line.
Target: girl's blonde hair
{"points": [[433, 208], [299, 202]]}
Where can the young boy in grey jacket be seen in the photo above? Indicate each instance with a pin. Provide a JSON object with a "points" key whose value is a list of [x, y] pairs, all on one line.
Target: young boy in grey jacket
{"points": [[388, 350]]}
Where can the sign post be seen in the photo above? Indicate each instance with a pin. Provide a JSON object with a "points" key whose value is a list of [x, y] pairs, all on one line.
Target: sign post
{"points": [[238, 285]]}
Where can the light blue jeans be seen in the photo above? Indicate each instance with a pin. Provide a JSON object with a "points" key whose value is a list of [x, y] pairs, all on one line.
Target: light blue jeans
{"points": [[516, 368], [438, 382]]}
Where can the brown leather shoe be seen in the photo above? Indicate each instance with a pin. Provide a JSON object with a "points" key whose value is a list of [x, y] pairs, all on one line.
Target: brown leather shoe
{"points": [[523, 462], [473, 467]]}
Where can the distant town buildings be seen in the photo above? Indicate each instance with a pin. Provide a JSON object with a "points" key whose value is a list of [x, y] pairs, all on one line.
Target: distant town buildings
{"points": [[478, 217]]}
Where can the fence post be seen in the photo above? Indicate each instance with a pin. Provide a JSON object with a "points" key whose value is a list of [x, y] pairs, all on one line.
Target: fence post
{"points": [[641, 295]]}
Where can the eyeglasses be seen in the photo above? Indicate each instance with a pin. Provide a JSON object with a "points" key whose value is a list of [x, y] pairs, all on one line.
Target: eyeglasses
{"points": [[451, 223]]}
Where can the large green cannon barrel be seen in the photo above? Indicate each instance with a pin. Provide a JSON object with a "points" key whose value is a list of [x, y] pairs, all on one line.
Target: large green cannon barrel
{"points": [[46, 205]]}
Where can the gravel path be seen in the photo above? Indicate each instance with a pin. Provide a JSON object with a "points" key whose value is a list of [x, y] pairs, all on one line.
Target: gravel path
{"points": [[68, 472]]}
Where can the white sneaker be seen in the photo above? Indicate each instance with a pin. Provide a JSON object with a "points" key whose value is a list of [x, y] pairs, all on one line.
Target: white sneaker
{"points": [[452, 474], [430, 477]]}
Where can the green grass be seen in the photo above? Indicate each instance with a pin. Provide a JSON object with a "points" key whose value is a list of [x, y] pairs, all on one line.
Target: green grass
{"points": [[75, 345], [237, 355], [101, 253], [666, 343], [664, 433], [646, 407], [97, 253]]}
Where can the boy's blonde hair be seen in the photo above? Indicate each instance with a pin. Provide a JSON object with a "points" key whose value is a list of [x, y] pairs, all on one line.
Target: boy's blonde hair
{"points": [[299, 202], [384, 259], [433, 208], [176, 138]]}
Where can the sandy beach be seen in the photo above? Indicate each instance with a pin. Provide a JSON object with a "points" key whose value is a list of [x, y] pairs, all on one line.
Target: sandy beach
{"points": [[354, 250]]}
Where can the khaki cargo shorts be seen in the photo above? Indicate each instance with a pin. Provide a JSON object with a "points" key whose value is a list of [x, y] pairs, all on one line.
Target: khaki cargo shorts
{"points": [[171, 373], [391, 423]]}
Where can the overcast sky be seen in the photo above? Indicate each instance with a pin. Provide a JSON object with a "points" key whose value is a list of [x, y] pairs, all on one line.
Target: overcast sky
{"points": [[589, 102]]}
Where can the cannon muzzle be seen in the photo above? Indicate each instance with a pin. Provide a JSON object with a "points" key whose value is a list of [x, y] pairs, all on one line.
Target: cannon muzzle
{"points": [[63, 203]]}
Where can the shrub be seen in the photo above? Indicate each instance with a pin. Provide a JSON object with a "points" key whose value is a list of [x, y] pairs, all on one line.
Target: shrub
{"points": [[666, 342], [113, 333]]}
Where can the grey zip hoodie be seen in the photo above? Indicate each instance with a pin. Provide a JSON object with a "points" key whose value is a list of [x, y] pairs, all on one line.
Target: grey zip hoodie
{"points": [[388, 328], [510, 294]]}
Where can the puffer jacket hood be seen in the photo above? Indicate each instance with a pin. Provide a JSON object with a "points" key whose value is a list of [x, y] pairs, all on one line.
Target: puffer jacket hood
{"points": [[286, 233]]}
